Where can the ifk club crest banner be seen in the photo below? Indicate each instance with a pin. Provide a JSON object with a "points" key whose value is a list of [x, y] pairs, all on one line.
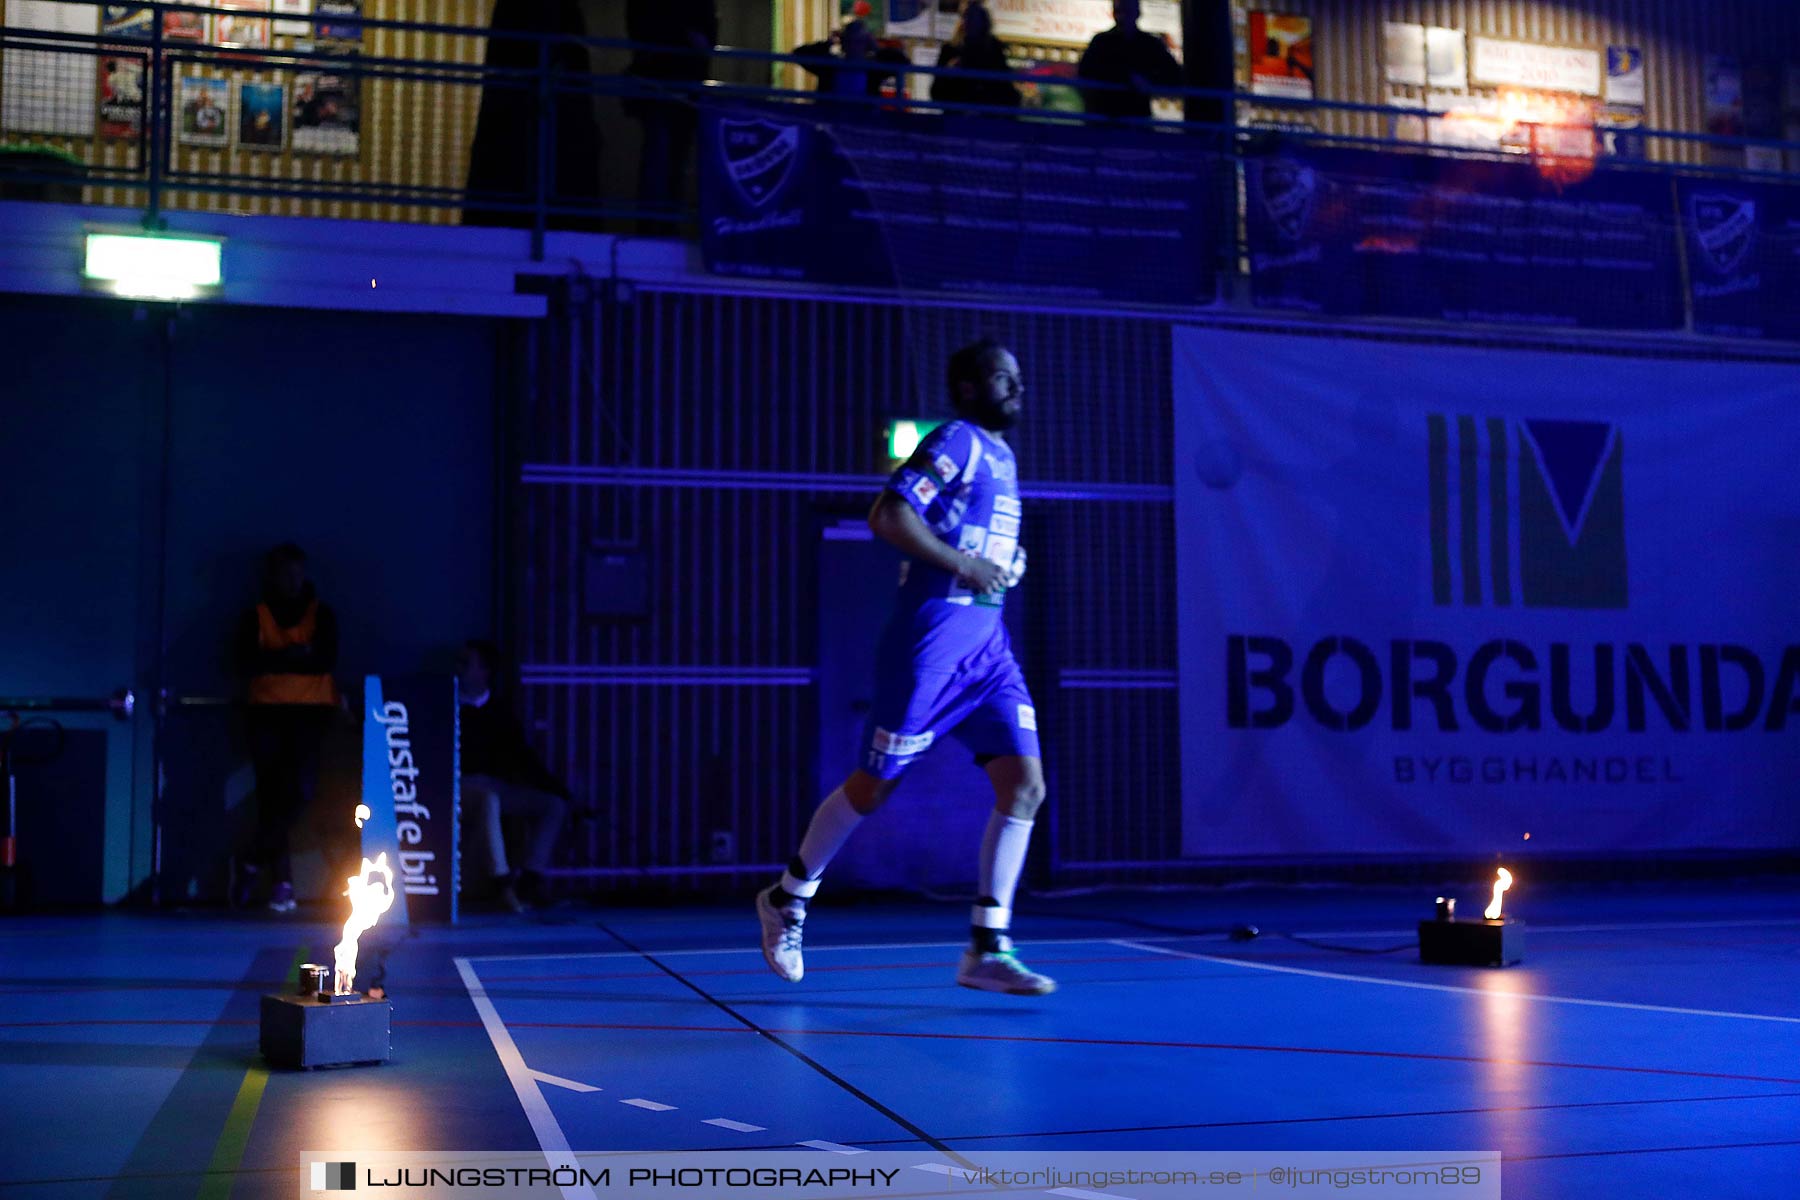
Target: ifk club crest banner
{"points": [[1436, 599]]}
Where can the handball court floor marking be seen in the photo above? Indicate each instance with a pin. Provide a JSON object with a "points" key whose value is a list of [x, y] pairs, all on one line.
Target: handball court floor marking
{"points": [[757, 1104]]}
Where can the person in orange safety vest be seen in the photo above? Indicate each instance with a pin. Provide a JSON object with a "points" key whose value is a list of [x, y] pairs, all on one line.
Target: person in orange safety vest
{"points": [[287, 646]]}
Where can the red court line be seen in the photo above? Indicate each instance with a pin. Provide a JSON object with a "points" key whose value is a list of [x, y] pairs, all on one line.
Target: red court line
{"points": [[1519, 1158], [1135, 1043], [1384, 1116], [1248, 1048]]}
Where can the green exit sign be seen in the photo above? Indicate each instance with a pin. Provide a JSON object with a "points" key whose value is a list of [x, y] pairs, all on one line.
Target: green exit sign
{"points": [[904, 436]]}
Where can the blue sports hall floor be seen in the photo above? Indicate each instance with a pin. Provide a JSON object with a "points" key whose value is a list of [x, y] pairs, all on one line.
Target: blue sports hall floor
{"points": [[1648, 1045]]}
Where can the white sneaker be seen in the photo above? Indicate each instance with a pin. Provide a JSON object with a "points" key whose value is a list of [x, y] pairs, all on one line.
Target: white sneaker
{"points": [[1001, 971], [781, 937]]}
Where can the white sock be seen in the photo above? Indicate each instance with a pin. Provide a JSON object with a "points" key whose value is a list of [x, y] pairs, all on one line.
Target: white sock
{"points": [[831, 826], [1003, 849]]}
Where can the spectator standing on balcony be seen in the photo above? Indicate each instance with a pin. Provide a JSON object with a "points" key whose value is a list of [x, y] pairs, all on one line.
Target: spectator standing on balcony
{"points": [[503, 159], [287, 647], [662, 100], [1128, 56], [861, 66], [974, 48]]}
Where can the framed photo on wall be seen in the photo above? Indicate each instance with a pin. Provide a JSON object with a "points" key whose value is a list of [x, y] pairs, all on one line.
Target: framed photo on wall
{"points": [[129, 21], [327, 113], [200, 108], [291, 9], [233, 29], [121, 95], [348, 25], [261, 115], [187, 26]]}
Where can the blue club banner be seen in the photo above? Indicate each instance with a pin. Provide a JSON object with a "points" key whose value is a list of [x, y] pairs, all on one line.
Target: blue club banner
{"points": [[1743, 247], [950, 203], [1435, 599], [1361, 233]]}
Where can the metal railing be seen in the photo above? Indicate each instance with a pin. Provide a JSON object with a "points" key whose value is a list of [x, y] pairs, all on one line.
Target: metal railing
{"points": [[399, 142]]}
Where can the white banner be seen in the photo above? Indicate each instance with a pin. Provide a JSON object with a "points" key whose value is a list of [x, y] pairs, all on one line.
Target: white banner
{"points": [[1441, 601], [1075, 22], [1500, 63]]}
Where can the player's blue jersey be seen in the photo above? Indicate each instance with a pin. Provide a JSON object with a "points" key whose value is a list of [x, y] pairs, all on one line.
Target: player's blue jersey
{"points": [[964, 482]]}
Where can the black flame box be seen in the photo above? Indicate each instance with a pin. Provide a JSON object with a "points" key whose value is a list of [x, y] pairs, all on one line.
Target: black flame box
{"points": [[1472, 943], [325, 1031]]}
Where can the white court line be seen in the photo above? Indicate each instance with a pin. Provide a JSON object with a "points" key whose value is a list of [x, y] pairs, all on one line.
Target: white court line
{"points": [[735, 1126], [1622, 927], [739, 948], [559, 1081], [831, 1147], [537, 1111], [1449, 987], [649, 1105], [1081, 1195]]}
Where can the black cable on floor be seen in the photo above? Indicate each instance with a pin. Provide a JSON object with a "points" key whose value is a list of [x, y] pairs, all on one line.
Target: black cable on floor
{"points": [[798, 1053]]}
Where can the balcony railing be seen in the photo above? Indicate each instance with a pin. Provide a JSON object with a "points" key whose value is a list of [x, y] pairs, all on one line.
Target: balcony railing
{"points": [[1349, 209]]}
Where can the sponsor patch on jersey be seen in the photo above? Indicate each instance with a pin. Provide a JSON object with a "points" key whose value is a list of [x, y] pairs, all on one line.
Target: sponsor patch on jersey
{"points": [[925, 490], [946, 467], [1008, 506], [1004, 469], [1005, 526], [1028, 717], [972, 538], [905, 745]]}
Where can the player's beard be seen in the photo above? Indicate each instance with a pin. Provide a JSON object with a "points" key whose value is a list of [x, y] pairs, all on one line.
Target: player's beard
{"points": [[992, 414]]}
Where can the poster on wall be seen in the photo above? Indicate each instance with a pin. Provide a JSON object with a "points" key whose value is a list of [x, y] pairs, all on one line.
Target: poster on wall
{"points": [[1724, 96], [261, 115], [327, 113], [1589, 655], [201, 105], [292, 9], [234, 29], [1281, 56], [345, 23], [1446, 60], [1625, 75], [129, 22], [1403, 54], [121, 95], [186, 26]]}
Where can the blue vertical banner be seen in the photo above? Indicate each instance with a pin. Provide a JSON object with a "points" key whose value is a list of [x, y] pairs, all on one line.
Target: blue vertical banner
{"points": [[1444, 601], [411, 769]]}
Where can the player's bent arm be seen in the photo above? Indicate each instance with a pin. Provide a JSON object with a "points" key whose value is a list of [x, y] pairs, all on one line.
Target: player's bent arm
{"points": [[896, 522]]}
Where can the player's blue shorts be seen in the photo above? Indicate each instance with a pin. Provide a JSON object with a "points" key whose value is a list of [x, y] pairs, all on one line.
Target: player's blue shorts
{"points": [[985, 705]]}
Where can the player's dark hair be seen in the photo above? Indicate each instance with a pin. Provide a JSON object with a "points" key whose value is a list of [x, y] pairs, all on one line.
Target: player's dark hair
{"points": [[970, 365]]}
